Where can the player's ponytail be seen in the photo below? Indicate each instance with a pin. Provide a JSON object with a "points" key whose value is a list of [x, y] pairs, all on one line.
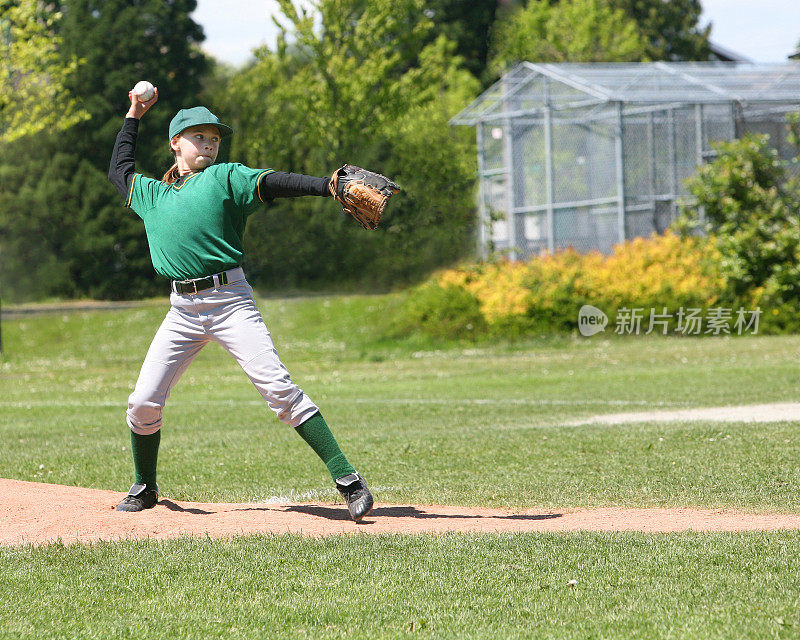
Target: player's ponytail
{"points": [[172, 175]]}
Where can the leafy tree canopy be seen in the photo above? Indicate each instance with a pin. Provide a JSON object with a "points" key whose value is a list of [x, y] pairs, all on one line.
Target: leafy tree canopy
{"points": [[357, 81], [122, 42], [468, 25], [33, 75], [670, 29], [569, 31], [63, 228]]}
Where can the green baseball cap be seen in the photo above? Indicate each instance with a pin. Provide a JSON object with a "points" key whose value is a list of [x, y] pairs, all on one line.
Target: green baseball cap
{"points": [[193, 117]]}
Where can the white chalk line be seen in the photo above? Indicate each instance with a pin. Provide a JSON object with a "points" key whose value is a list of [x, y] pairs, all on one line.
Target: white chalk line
{"points": [[28, 404], [774, 412]]}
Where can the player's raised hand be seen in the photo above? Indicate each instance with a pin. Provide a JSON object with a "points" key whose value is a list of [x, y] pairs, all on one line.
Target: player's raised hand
{"points": [[139, 108]]}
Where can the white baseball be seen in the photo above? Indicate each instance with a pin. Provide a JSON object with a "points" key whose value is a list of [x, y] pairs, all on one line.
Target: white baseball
{"points": [[144, 91]]}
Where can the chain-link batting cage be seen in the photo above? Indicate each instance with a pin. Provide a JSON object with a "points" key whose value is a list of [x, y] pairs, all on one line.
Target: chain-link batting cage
{"points": [[587, 155]]}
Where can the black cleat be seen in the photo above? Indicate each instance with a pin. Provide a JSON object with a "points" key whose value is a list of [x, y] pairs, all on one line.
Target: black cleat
{"points": [[356, 494], [139, 498]]}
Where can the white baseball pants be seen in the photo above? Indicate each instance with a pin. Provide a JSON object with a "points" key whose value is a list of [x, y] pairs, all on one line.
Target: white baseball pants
{"points": [[228, 315]]}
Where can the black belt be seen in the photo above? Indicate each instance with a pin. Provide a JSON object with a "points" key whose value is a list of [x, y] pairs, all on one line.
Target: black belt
{"points": [[201, 284]]}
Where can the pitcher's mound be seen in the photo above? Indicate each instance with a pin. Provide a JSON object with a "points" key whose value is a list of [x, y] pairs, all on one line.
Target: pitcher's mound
{"points": [[39, 513]]}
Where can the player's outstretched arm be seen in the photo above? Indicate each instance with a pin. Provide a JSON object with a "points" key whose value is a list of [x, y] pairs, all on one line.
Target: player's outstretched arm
{"points": [[361, 193], [279, 184]]}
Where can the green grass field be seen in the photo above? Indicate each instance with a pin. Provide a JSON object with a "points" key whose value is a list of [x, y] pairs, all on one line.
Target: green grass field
{"points": [[471, 424]]}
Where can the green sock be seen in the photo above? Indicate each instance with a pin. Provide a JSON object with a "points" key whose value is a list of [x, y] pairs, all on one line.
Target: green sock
{"points": [[145, 458], [317, 434]]}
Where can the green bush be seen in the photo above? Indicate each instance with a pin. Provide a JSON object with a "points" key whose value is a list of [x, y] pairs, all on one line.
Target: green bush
{"points": [[440, 312], [750, 203]]}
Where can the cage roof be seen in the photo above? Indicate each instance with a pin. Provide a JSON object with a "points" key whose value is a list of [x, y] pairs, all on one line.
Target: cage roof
{"points": [[532, 87]]}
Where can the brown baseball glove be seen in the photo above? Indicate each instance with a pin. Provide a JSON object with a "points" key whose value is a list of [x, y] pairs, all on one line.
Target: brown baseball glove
{"points": [[363, 194]]}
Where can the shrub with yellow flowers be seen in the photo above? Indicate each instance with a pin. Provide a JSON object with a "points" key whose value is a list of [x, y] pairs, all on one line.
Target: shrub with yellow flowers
{"points": [[660, 271], [545, 294]]}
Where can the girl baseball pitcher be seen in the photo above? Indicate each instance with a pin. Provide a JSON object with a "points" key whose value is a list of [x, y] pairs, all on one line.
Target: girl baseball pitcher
{"points": [[194, 218]]}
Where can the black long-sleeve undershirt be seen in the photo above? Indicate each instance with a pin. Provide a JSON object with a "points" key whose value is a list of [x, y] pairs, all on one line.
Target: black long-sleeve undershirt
{"points": [[276, 184], [122, 166], [279, 184]]}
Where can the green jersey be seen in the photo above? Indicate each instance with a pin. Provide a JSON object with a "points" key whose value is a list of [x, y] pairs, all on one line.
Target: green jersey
{"points": [[195, 229]]}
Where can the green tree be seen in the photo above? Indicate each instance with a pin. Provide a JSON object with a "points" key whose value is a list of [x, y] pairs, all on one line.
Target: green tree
{"points": [[365, 85], [123, 41], [64, 229], [670, 29], [750, 205], [569, 31], [467, 24], [33, 75]]}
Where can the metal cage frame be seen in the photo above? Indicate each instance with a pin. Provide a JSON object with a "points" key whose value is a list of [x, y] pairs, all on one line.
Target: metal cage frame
{"points": [[589, 155]]}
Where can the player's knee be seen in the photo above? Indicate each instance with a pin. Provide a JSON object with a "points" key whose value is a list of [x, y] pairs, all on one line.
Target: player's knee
{"points": [[302, 409], [295, 409], [143, 415]]}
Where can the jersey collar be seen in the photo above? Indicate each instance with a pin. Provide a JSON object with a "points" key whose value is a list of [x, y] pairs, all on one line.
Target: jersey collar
{"points": [[178, 184]]}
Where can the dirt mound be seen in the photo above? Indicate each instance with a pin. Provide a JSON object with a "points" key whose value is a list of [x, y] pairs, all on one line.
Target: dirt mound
{"points": [[28, 515]]}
